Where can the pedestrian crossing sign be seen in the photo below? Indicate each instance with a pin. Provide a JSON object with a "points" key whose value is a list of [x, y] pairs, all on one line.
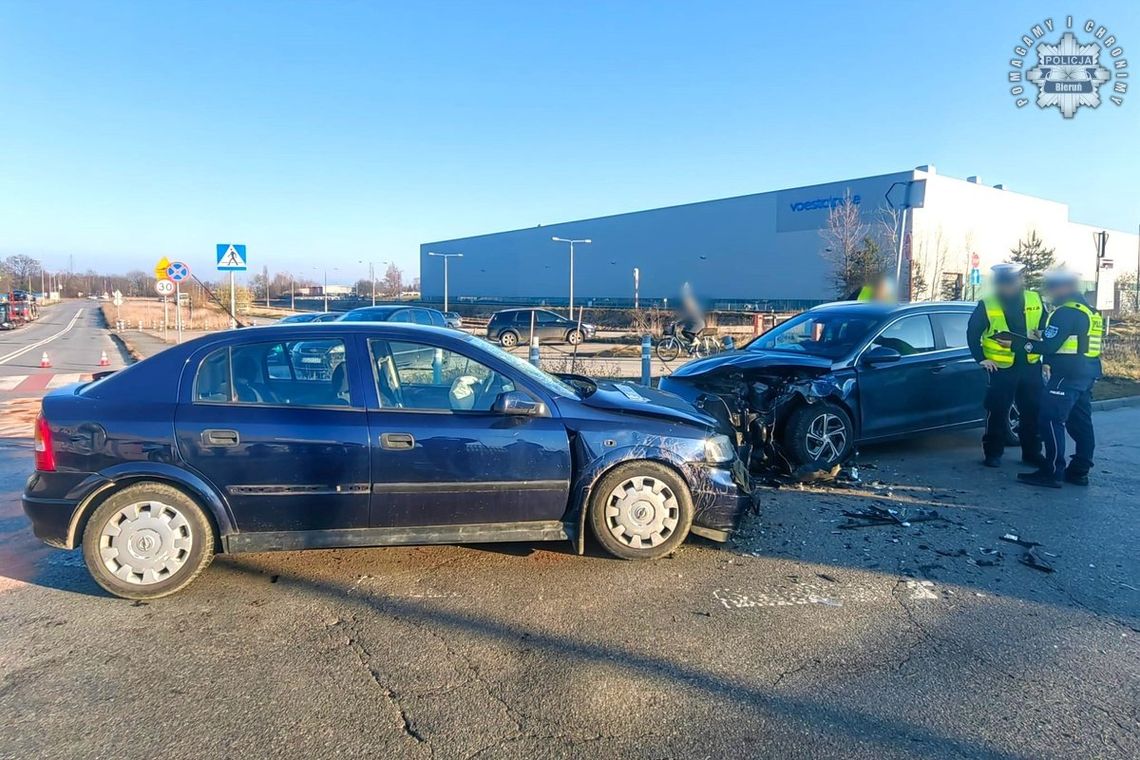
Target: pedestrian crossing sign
{"points": [[231, 257]]}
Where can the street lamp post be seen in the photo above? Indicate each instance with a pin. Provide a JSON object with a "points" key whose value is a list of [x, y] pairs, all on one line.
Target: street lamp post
{"points": [[571, 242], [636, 285], [445, 257], [372, 276]]}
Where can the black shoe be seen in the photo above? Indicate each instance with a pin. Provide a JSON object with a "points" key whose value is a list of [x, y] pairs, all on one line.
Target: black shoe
{"points": [[992, 462], [1042, 478], [1034, 460], [1077, 478]]}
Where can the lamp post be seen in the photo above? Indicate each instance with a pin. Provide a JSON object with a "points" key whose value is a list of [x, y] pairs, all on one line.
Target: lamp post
{"points": [[571, 242], [445, 257], [636, 285], [372, 276]]}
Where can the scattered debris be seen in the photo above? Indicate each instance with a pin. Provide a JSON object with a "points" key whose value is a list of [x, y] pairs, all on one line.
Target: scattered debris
{"points": [[876, 515], [921, 589], [1030, 559], [1011, 538]]}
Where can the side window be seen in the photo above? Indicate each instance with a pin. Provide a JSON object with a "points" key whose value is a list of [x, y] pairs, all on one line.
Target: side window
{"points": [[404, 315], [297, 373], [953, 328], [909, 336], [421, 316], [546, 318], [419, 376], [213, 380]]}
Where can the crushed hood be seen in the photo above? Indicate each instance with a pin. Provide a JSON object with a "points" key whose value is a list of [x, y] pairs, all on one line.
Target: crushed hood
{"points": [[744, 359], [638, 399]]}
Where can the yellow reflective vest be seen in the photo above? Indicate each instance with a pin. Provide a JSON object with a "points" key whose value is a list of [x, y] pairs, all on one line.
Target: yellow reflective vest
{"points": [[866, 293], [994, 351], [1095, 334]]}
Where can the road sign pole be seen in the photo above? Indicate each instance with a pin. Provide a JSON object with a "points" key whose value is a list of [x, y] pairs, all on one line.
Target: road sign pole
{"points": [[233, 302], [165, 319], [178, 309]]}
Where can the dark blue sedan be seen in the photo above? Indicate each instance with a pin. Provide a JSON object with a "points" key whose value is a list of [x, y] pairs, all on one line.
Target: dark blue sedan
{"points": [[417, 435]]}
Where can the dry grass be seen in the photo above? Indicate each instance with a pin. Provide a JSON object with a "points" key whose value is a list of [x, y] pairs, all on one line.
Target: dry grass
{"points": [[148, 311]]}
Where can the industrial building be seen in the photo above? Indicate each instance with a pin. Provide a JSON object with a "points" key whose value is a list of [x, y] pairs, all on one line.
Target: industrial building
{"points": [[770, 249]]}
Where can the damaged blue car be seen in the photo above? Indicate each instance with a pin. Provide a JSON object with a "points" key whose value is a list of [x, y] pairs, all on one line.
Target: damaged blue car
{"points": [[398, 434], [803, 395]]}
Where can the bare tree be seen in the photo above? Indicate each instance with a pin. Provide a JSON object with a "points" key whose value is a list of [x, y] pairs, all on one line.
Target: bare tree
{"points": [[844, 234], [393, 281], [21, 268]]}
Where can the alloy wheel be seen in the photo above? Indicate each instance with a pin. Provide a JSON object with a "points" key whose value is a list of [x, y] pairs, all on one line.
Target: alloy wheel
{"points": [[826, 437]]}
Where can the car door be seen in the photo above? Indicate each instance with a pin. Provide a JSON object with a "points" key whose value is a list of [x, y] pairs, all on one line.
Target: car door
{"points": [[286, 444], [907, 395], [551, 327], [443, 457], [964, 379]]}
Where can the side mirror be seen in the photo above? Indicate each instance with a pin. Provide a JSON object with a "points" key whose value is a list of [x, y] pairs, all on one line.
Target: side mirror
{"points": [[518, 404], [881, 355]]}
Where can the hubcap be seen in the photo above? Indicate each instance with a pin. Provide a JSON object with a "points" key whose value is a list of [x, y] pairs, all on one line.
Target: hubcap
{"points": [[642, 512], [508, 339], [145, 543], [826, 437]]}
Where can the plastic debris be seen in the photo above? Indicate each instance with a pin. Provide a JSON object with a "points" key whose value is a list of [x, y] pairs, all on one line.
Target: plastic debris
{"points": [[1011, 538]]}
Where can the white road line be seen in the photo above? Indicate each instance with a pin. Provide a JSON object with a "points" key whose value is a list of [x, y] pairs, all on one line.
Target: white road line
{"points": [[64, 379], [21, 351], [10, 383]]}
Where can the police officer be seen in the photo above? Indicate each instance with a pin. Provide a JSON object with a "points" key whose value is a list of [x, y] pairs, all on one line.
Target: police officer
{"points": [[1071, 346], [1014, 373]]}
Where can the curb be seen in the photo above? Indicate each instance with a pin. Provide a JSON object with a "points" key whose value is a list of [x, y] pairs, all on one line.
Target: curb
{"points": [[126, 346], [1115, 403]]}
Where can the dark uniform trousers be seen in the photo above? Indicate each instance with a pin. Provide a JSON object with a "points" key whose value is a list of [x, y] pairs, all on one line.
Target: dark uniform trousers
{"points": [[1021, 383], [1065, 406]]}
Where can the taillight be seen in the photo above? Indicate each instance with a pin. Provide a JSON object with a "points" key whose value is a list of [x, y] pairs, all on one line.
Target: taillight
{"points": [[45, 454]]}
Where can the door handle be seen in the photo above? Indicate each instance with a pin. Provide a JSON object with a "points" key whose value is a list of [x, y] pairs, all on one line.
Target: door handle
{"points": [[937, 368], [397, 441], [219, 437]]}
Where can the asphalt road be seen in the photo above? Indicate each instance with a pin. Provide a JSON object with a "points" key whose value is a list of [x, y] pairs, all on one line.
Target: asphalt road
{"points": [[800, 639]]}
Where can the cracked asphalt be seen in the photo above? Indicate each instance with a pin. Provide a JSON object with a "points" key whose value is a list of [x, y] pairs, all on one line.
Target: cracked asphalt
{"points": [[800, 639]]}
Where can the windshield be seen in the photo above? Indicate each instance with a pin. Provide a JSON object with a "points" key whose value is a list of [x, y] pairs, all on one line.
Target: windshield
{"points": [[549, 382], [829, 334]]}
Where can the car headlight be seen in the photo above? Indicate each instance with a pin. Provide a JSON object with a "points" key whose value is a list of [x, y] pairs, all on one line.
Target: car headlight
{"points": [[719, 449]]}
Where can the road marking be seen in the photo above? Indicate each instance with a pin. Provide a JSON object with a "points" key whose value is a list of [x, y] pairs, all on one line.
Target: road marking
{"points": [[21, 351], [46, 381]]}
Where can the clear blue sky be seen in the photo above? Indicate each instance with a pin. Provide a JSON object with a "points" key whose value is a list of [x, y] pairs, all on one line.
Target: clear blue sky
{"points": [[329, 132]]}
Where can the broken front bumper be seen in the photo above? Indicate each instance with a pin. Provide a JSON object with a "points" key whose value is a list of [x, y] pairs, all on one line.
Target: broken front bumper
{"points": [[721, 496]]}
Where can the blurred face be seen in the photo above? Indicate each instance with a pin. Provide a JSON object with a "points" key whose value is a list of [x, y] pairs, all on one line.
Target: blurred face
{"points": [[1060, 291], [1008, 287]]}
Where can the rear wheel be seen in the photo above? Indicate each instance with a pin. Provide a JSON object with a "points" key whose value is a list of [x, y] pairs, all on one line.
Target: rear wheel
{"points": [[508, 339], [641, 510], [147, 541], [819, 434]]}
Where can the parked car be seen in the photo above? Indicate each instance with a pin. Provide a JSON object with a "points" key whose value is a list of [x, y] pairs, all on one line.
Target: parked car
{"points": [[809, 390], [509, 327], [453, 320], [418, 315], [5, 321], [310, 316], [420, 436]]}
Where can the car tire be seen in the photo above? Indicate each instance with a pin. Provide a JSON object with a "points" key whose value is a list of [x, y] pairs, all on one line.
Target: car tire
{"points": [[574, 337], [819, 434], [508, 339], [641, 510], [164, 535]]}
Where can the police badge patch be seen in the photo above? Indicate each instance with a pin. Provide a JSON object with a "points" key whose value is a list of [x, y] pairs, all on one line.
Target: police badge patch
{"points": [[1051, 331]]}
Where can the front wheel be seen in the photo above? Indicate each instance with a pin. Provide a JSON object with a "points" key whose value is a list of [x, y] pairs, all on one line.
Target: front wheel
{"points": [[574, 337], [669, 349], [819, 434], [508, 339], [641, 510], [147, 541]]}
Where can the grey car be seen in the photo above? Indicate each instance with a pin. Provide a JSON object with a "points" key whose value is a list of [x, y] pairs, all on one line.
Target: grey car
{"points": [[509, 327]]}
